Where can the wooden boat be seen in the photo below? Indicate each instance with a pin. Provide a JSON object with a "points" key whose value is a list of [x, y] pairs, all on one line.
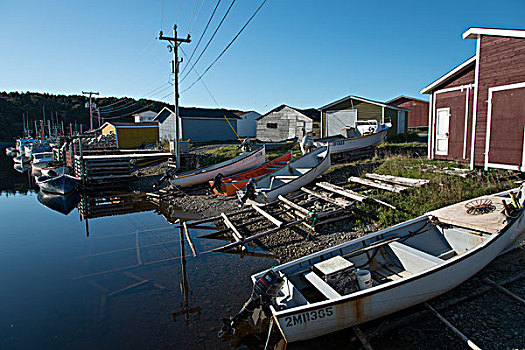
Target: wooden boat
{"points": [[229, 185], [41, 159], [240, 163], [292, 177], [361, 140], [21, 159], [288, 143], [21, 167], [62, 184], [409, 263]]}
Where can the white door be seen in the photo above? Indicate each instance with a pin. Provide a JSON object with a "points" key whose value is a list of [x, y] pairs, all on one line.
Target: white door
{"points": [[400, 122], [442, 124]]}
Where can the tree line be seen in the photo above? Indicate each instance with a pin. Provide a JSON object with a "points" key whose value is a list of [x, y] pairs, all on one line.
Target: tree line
{"points": [[68, 109]]}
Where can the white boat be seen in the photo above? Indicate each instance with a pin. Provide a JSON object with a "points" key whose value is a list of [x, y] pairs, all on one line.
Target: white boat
{"points": [[367, 133], [290, 178], [409, 263], [235, 165], [54, 171], [41, 159], [21, 159], [62, 184]]}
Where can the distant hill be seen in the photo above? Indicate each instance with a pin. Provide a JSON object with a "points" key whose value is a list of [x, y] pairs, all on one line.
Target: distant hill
{"points": [[69, 109]]}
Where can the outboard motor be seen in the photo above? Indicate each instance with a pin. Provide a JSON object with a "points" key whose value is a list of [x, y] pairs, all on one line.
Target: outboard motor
{"points": [[167, 175], [245, 145], [249, 192], [217, 182], [307, 144], [264, 290]]}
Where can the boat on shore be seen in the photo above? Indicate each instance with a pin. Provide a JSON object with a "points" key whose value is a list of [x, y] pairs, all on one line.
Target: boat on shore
{"points": [[270, 146], [240, 163], [290, 178], [366, 134], [62, 184], [229, 185], [392, 269]]}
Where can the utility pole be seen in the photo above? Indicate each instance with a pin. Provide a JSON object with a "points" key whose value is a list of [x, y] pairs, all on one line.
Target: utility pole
{"points": [[91, 93], [175, 70]]}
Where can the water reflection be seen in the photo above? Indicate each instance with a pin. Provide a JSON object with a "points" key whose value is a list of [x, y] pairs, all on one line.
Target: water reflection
{"points": [[61, 204], [14, 177]]}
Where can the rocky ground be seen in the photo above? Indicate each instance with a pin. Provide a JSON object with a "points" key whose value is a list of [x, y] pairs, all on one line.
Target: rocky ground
{"points": [[492, 321]]}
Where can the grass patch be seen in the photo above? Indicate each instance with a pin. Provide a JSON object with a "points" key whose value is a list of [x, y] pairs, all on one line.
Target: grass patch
{"points": [[219, 154], [442, 190]]}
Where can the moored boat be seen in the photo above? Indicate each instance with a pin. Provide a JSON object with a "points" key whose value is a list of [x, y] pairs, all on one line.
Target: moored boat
{"points": [[52, 171], [21, 159], [364, 135], [240, 163], [41, 159], [397, 267], [62, 204], [62, 184], [10, 151], [290, 178], [229, 185]]}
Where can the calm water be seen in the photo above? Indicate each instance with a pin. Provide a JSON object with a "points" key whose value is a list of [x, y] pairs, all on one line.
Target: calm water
{"points": [[64, 289]]}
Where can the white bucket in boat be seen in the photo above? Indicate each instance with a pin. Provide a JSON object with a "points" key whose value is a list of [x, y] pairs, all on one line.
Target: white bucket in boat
{"points": [[364, 279]]}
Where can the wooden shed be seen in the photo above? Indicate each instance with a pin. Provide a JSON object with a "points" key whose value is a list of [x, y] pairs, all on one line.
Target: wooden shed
{"points": [[418, 115], [285, 122], [477, 110], [344, 112], [132, 135]]}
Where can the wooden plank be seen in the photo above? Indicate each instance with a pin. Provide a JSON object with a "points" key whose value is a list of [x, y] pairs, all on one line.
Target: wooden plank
{"points": [[377, 184], [504, 290], [362, 338], [267, 215], [352, 195], [251, 238], [188, 237], [321, 285], [336, 201], [293, 205], [342, 191], [403, 181], [139, 258], [463, 337], [235, 233]]}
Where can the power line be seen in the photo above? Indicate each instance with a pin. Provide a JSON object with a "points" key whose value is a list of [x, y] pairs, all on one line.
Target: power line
{"points": [[202, 81], [200, 39], [140, 109], [209, 41], [195, 20], [129, 104], [226, 48], [192, 13]]}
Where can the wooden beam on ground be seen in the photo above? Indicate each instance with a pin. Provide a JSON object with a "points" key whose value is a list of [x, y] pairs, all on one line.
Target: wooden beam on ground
{"points": [[377, 184], [188, 237], [352, 195], [268, 216], [293, 205], [336, 201], [251, 238], [403, 181], [463, 337], [362, 338], [235, 233], [504, 290]]}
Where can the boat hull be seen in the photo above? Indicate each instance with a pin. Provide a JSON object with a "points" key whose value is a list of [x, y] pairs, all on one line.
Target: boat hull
{"points": [[10, 151], [354, 144], [231, 185], [317, 319], [62, 184], [248, 161]]}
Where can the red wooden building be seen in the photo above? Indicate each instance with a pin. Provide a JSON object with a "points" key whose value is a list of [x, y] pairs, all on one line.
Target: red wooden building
{"points": [[418, 115], [477, 110]]}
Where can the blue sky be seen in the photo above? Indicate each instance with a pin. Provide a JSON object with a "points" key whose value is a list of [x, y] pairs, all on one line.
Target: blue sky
{"points": [[302, 53]]}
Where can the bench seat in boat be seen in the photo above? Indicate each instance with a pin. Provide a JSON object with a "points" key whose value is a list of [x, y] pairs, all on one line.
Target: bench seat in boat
{"points": [[323, 287], [413, 260]]}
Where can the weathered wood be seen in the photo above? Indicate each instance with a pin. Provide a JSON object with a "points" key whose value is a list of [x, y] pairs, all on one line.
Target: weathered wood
{"points": [[403, 181], [504, 290], [235, 233], [362, 338], [268, 216], [377, 184], [188, 237], [463, 337], [352, 195], [259, 235], [336, 201], [293, 205]]}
